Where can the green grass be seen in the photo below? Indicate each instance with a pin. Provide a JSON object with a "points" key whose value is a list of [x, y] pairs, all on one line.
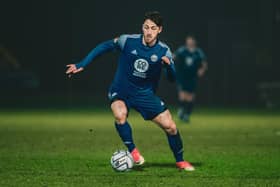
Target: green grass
{"points": [[73, 148]]}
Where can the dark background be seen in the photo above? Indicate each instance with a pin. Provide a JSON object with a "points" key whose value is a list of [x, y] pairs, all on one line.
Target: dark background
{"points": [[241, 39]]}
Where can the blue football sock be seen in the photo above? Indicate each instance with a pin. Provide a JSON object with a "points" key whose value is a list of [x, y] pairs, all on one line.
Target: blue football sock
{"points": [[176, 145], [189, 107], [125, 133], [181, 109], [181, 104]]}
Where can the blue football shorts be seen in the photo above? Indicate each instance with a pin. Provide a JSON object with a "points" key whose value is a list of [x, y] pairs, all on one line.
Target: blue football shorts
{"points": [[188, 85], [145, 102]]}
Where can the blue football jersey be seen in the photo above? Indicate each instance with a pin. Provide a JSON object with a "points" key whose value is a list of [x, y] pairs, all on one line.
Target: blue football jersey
{"points": [[139, 66], [188, 62]]}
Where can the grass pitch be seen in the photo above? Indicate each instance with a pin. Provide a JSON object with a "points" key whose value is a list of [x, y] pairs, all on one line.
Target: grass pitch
{"points": [[73, 148]]}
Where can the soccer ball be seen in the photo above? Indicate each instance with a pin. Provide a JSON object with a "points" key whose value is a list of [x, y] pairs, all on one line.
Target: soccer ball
{"points": [[122, 160]]}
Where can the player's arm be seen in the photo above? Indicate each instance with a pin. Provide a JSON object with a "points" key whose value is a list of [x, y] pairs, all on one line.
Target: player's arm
{"points": [[177, 53], [204, 65], [202, 69], [94, 53], [169, 66], [177, 57]]}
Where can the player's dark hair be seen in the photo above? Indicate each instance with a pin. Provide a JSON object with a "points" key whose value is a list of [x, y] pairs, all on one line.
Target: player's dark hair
{"points": [[155, 17]]}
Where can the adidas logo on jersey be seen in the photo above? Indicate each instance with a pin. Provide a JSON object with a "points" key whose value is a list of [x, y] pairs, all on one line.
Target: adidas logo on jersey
{"points": [[134, 52]]}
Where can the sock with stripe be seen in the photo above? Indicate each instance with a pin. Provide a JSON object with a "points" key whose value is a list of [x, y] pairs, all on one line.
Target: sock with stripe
{"points": [[176, 145], [125, 133]]}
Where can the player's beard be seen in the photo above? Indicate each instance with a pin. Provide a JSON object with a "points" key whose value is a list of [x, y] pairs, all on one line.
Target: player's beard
{"points": [[149, 39]]}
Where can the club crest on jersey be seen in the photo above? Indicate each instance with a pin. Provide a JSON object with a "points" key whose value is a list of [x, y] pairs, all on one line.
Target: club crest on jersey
{"points": [[189, 61], [141, 65], [154, 58]]}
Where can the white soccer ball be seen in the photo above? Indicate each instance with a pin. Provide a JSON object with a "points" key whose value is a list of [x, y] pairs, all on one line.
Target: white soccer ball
{"points": [[122, 160]]}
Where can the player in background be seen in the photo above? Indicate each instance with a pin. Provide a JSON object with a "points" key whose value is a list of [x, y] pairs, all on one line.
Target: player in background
{"points": [[142, 58], [190, 64]]}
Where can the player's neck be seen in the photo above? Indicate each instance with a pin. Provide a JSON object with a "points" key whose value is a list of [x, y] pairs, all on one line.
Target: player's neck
{"points": [[191, 49]]}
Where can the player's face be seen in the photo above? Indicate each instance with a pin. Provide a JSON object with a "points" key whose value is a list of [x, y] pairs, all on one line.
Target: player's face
{"points": [[190, 42], [150, 31]]}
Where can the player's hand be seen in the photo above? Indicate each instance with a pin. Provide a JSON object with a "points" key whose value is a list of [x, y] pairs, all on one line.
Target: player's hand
{"points": [[165, 60], [72, 69], [200, 72]]}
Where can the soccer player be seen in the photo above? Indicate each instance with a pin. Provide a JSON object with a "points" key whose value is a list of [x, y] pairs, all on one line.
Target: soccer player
{"points": [[190, 64], [142, 57]]}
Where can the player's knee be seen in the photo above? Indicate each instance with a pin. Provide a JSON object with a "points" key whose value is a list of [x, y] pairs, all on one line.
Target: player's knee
{"points": [[120, 111], [120, 117], [190, 97], [181, 96], [186, 96], [171, 129]]}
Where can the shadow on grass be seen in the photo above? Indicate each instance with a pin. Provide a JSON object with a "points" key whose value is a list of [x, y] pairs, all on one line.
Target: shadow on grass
{"points": [[162, 165]]}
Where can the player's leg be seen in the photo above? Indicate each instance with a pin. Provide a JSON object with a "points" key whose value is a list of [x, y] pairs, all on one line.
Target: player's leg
{"points": [[181, 102], [120, 112], [187, 99], [165, 121]]}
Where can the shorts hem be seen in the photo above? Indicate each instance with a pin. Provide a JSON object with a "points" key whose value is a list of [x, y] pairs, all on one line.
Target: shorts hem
{"points": [[155, 115]]}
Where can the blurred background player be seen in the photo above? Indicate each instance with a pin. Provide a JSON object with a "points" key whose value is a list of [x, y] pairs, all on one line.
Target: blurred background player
{"points": [[190, 63], [142, 58]]}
